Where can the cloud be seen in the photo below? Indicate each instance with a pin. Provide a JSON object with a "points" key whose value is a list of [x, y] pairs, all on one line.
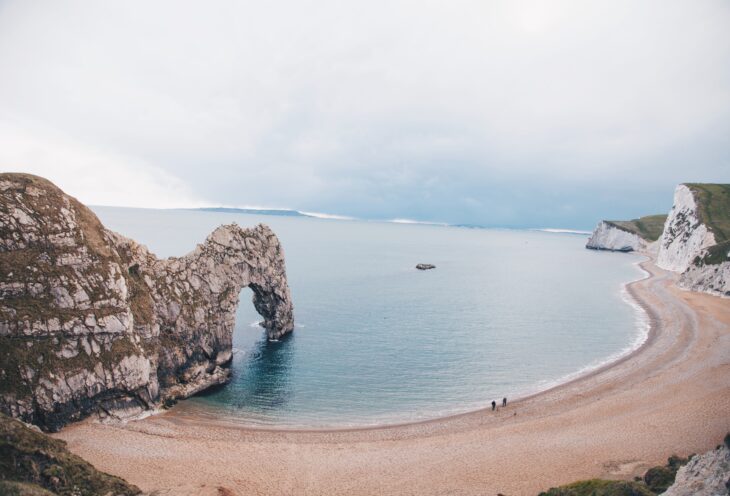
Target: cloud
{"points": [[492, 112], [95, 177]]}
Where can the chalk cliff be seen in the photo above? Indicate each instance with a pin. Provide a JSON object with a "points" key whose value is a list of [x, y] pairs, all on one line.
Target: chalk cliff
{"points": [[91, 321], [608, 236], [685, 235], [705, 475], [696, 238], [693, 240], [632, 235]]}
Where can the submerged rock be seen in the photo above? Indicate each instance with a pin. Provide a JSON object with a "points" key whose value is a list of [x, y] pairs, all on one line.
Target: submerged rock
{"points": [[423, 266], [91, 321]]}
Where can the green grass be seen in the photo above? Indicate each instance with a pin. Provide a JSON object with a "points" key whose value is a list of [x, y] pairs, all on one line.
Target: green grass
{"points": [[655, 481], [714, 206], [649, 227], [12, 488], [31, 462], [599, 487]]}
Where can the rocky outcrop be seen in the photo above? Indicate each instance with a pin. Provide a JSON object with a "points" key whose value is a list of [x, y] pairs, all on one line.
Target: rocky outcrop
{"points": [[695, 242], [91, 321], [608, 236], [704, 475], [713, 278], [628, 235], [685, 235]]}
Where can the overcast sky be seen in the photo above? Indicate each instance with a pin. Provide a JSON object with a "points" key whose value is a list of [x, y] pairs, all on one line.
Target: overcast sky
{"points": [[502, 113]]}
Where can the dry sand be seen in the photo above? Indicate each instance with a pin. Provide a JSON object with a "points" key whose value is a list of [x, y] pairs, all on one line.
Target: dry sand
{"points": [[672, 395]]}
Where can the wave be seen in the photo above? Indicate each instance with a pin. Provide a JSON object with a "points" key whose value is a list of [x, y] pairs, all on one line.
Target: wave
{"points": [[320, 215], [411, 221], [561, 231]]}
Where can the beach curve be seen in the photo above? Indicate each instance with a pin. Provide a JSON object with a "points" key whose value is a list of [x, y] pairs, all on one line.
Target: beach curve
{"points": [[669, 395]]}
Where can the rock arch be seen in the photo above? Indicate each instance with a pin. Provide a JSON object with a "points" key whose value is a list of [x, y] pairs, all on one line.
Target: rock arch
{"points": [[91, 321]]}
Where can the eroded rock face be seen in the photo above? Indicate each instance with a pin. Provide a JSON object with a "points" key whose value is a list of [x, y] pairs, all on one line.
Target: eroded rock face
{"points": [[91, 321], [684, 236], [704, 475], [688, 246], [708, 278], [609, 237]]}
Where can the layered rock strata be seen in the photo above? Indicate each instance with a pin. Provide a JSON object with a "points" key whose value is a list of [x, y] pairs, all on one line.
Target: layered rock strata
{"points": [[91, 321]]}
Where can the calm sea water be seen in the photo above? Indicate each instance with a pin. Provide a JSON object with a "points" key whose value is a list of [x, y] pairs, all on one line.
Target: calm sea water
{"points": [[505, 313]]}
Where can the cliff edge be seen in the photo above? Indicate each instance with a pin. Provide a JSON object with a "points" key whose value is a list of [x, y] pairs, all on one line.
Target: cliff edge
{"points": [[696, 238], [693, 240], [91, 321], [633, 235]]}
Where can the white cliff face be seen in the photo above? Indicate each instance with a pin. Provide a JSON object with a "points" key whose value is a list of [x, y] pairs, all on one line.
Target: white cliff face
{"points": [[713, 279], [704, 475], [684, 236], [91, 321], [608, 237]]}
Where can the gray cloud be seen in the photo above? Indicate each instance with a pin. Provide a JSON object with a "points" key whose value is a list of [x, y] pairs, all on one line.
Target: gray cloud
{"points": [[497, 113]]}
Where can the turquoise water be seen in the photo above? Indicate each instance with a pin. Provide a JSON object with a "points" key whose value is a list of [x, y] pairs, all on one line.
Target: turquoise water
{"points": [[505, 313]]}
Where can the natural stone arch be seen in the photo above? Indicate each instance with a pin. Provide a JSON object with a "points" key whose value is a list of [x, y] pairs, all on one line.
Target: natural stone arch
{"points": [[91, 321]]}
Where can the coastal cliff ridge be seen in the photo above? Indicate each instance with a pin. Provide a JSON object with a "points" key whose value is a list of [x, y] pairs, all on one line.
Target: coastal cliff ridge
{"points": [[93, 322]]}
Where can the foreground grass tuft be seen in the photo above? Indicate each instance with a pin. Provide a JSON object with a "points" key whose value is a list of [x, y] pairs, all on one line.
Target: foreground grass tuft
{"points": [[32, 463], [656, 480], [599, 487]]}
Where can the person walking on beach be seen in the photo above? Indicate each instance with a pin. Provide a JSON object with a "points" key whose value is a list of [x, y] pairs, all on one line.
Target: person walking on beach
{"points": [[504, 401], [494, 405]]}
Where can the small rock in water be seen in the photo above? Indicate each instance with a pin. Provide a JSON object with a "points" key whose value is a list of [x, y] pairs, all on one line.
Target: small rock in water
{"points": [[422, 266]]}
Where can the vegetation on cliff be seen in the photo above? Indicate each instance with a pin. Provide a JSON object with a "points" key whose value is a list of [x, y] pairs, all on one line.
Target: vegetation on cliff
{"points": [[650, 227], [655, 481], [713, 202], [32, 463], [91, 321]]}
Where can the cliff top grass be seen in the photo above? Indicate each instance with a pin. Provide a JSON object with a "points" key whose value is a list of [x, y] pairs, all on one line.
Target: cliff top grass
{"points": [[33, 463], [713, 201], [649, 227]]}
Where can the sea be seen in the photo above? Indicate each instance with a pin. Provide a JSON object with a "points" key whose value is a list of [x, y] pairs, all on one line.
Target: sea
{"points": [[505, 313]]}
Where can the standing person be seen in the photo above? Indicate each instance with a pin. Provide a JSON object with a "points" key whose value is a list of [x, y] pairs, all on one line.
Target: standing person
{"points": [[494, 405], [504, 401]]}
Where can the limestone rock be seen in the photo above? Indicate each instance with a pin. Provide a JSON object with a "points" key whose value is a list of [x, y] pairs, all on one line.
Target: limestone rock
{"points": [[685, 235], [704, 475], [689, 242], [610, 237], [91, 321]]}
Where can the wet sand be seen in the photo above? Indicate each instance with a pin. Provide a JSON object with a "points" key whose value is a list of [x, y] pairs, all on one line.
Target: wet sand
{"points": [[672, 395]]}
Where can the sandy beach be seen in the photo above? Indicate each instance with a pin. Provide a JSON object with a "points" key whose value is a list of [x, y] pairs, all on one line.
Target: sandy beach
{"points": [[672, 395]]}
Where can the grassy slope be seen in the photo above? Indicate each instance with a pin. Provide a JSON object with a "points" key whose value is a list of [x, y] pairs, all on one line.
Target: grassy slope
{"points": [[714, 207], [33, 463], [649, 227]]}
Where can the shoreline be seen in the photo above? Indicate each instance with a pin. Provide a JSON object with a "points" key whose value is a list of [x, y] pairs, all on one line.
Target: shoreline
{"points": [[581, 374], [670, 394]]}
